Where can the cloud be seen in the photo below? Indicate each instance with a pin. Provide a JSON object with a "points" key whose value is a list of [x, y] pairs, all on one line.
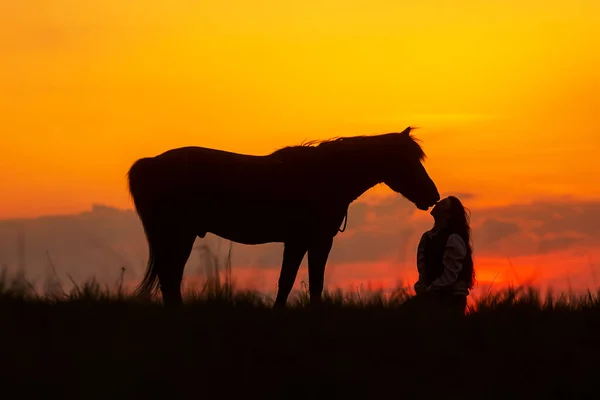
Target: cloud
{"points": [[493, 230], [536, 228], [99, 242], [370, 245], [554, 244]]}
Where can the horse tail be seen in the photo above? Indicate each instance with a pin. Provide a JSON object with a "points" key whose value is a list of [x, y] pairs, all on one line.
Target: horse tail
{"points": [[144, 195]]}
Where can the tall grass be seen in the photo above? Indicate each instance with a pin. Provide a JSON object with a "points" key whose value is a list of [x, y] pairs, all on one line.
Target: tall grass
{"points": [[219, 288]]}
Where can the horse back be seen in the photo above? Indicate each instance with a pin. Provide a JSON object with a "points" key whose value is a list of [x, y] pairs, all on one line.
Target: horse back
{"points": [[203, 170], [246, 198]]}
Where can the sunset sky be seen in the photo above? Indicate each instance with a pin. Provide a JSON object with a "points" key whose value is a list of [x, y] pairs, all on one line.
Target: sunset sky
{"points": [[506, 95]]}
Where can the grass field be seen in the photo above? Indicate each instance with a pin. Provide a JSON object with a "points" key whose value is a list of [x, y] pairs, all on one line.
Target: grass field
{"points": [[95, 343]]}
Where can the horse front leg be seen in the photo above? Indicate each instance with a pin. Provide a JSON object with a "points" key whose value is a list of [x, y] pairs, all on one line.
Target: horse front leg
{"points": [[293, 253], [318, 253]]}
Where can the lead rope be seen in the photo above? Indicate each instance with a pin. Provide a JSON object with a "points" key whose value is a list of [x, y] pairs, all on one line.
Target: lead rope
{"points": [[345, 222]]}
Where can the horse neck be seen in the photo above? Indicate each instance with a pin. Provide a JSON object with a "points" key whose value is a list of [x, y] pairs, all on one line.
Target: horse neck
{"points": [[353, 179], [359, 187]]}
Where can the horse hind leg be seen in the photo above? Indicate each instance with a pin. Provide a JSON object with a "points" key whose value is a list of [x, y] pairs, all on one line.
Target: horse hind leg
{"points": [[170, 259]]}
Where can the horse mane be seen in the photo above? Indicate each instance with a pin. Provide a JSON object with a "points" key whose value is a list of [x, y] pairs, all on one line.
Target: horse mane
{"points": [[385, 140]]}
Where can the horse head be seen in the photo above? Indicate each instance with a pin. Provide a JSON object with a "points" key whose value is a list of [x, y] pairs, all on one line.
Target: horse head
{"points": [[401, 164]]}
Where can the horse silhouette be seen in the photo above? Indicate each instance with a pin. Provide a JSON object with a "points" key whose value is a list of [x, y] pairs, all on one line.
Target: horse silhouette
{"points": [[297, 195]]}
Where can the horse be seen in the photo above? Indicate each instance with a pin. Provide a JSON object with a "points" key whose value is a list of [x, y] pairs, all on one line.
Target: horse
{"points": [[297, 195]]}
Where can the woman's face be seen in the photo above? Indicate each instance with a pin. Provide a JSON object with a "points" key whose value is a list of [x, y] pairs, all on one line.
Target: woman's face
{"points": [[441, 210]]}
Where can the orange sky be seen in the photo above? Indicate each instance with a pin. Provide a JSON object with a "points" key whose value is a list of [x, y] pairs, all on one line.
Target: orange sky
{"points": [[506, 92]]}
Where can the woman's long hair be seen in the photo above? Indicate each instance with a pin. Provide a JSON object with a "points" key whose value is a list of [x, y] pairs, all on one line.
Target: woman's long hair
{"points": [[459, 222]]}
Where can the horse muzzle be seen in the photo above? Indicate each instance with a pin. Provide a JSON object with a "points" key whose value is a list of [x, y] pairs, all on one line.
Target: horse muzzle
{"points": [[422, 207]]}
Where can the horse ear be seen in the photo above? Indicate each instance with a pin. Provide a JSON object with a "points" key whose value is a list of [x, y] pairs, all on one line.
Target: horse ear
{"points": [[407, 131]]}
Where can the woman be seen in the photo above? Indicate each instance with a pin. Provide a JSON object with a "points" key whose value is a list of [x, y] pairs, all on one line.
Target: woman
{"points": [[444, 257]]}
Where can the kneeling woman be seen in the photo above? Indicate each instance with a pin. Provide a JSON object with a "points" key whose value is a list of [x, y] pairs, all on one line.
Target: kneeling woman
{"points": [[444, 259]]}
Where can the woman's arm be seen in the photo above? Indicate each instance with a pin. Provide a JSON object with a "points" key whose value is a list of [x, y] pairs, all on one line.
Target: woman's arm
{"points": [[420, 284], [454, 256]]}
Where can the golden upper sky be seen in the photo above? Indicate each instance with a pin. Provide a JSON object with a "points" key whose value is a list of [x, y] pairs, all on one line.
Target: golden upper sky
{"points": [[506, 92]]}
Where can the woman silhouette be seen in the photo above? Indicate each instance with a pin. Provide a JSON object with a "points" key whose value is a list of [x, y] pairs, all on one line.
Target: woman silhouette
{"points": [[444, 257]]}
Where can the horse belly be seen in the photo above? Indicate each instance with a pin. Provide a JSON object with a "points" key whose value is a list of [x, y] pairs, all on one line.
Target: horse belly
{"points": [[245, 225]]}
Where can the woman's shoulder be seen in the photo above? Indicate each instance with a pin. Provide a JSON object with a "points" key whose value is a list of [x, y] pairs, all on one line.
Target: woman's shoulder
{"points": [[454, 240]]}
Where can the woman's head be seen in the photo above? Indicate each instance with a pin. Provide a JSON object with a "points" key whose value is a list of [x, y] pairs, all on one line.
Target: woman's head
{"points": [[449, 213]]}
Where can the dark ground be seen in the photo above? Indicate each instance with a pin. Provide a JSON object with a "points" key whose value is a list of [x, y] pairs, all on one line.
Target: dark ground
{"points": [[88, 346]]}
